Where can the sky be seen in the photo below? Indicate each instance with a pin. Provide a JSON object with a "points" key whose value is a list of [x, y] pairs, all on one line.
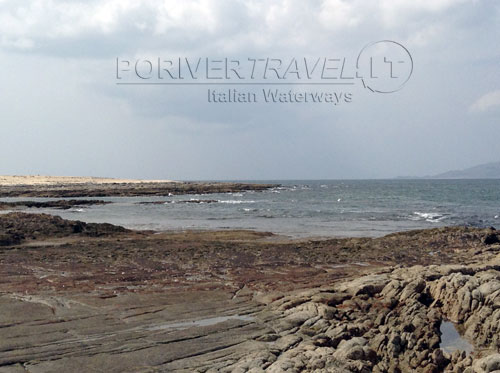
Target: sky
{"points": [[63, 113]]}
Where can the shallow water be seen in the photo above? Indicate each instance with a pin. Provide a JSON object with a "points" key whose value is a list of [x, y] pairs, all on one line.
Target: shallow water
{"points": [[311, 208], [201, 322], [451, 340]]}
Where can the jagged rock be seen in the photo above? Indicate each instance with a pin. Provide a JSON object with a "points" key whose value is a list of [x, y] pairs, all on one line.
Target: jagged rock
{"points": [[351, 349], [487, 364], [384, 322], [369, 285], [284, 343], [491, 239]]}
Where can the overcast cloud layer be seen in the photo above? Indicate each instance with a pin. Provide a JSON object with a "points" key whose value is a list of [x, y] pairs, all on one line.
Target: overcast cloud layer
{"points": [[63, 114]]}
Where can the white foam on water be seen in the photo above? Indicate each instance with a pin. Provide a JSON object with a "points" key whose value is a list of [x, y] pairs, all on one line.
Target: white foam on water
{"points": [[432, 217]]}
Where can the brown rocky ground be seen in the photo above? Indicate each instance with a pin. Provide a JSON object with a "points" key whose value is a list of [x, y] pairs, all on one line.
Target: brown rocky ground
{"points": [[99, 298]]}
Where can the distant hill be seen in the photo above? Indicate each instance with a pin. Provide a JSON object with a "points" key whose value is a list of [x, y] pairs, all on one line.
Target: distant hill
{"points": [[483, 171]]}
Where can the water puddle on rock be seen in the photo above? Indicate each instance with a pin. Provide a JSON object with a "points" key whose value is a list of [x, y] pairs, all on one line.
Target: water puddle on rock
{"points": [[201, 322], [451, 340]]}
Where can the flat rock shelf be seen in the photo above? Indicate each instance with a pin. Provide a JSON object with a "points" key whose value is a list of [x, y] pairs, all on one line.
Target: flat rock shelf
{"points": [[88, 297]]}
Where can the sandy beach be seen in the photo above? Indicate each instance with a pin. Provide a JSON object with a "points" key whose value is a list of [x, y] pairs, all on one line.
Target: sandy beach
{"points": [[14, 180]]}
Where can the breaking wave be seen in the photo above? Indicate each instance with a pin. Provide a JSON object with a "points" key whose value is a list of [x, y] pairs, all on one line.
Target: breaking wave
{"points": [[432, 217]]}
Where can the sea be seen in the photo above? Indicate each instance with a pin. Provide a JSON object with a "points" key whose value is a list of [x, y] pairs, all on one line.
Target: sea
{"points": [[309, 208]]}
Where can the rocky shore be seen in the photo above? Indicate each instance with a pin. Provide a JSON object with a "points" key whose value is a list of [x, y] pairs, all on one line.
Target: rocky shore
{"points": [[125, 189], [96, 297], [60, 204], [387, 322]]}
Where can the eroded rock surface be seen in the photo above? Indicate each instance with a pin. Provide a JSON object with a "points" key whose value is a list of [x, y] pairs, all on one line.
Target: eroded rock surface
{"points": [[92, 298], [389, 322]]}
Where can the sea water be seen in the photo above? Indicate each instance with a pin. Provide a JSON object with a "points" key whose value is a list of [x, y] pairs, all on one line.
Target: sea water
{"points": [[304, 208]]}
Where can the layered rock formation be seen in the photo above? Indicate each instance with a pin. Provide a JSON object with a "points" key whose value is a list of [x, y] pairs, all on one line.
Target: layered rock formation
{"points": [[387, 322], [96, 297]]}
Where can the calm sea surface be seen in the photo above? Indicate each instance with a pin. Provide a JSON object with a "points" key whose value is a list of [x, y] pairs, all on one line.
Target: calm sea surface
{"points": [[312, 208]]}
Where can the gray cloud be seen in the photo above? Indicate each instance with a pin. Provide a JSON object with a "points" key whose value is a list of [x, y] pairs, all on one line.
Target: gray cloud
{"points": [[62, 112]]}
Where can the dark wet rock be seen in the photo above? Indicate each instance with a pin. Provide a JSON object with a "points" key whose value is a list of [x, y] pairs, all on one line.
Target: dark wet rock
{"points": [[60, 204], [17, 227], [491, 239], [8, 239]]}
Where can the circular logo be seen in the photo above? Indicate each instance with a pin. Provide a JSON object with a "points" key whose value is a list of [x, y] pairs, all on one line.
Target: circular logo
{"points": [[384, 66]]}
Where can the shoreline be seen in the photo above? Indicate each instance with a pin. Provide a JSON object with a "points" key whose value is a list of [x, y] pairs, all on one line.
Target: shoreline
{"points": [[58, 206], [124, 188], [240, 300], [30, 180]]}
